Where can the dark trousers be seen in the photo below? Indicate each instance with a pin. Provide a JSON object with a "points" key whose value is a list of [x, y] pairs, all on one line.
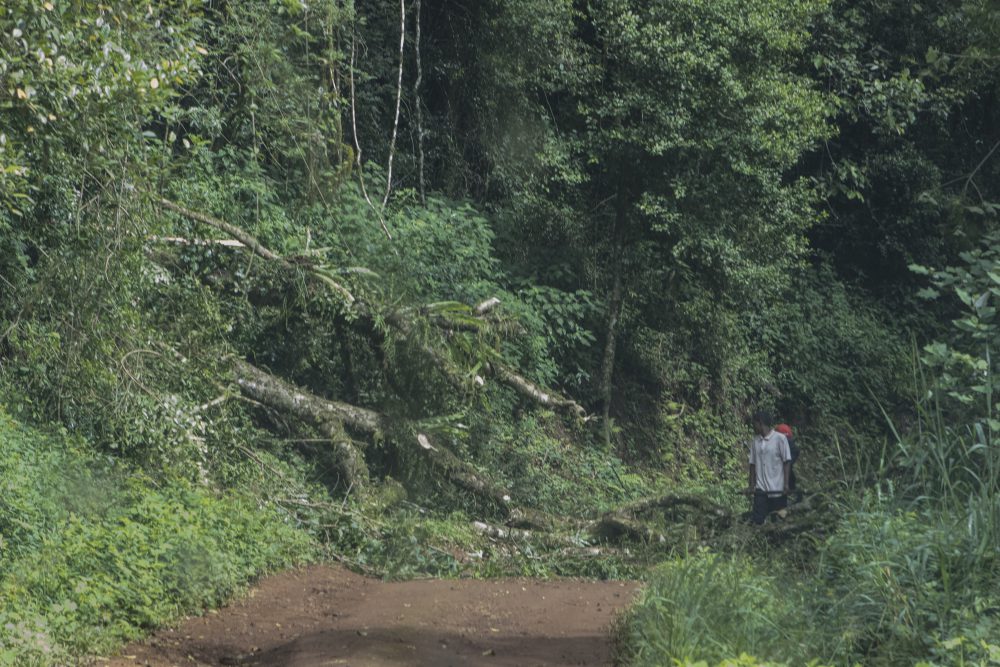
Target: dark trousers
{"points": [[764, 505]]}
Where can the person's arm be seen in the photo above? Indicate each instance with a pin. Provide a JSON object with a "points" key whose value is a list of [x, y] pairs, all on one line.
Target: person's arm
{"points": [[788, 472], [753, 478]]}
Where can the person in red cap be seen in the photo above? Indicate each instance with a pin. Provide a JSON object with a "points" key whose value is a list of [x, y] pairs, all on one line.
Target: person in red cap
{"points": [[786, 430], [770, 465]]}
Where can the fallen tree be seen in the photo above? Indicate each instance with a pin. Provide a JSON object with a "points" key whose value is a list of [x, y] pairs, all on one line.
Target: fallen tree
{"points": [[629, 522], [351, 428]]}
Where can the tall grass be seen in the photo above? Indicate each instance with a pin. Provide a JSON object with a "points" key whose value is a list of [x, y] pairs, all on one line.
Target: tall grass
{"points": [[711, 607], [915, 562]]}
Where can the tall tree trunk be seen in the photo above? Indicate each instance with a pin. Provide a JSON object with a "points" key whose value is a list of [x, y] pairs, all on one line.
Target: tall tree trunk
{"points": [[614, 312], [608, 363]]}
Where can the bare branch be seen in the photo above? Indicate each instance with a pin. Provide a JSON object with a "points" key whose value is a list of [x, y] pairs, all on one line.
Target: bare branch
{"points": [[249, 241], [234, 231], [529, 389]]}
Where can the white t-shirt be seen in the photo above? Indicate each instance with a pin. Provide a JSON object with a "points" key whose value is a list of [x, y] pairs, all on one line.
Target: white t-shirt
{"points": [[768, 455]]}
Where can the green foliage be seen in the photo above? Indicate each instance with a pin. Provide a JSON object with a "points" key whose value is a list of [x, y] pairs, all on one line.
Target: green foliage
{"points": [[93, 554], [682, 145], [830, 363], [898, 177], [554, 340], [892, 583], [546, 468], [964, 367], [80, 79], [708, 607]]}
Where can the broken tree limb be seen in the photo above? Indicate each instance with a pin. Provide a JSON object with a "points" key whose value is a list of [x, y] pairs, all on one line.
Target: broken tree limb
{"points": [[234, 231], [251, 242], [529, 389], [181, 240], [501, 532], [507, 534], [463, 474]]}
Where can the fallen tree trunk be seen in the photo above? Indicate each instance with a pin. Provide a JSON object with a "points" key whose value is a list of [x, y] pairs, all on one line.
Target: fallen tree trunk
{"points": [[622, 523], [280, 394], [330, 417], [327, 416]]}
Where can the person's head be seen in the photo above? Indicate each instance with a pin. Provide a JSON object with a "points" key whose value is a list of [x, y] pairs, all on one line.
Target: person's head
{"points": [[784, 429], [762, 423]]}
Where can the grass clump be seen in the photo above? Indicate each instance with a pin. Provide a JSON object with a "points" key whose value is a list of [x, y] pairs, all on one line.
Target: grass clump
{"points": [[93, 553], [708, 607]]}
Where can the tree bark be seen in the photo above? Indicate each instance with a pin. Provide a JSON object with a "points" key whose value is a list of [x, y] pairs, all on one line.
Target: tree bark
{"points": [[327, 416], [614, 311], [608, 363], [279, 394]]}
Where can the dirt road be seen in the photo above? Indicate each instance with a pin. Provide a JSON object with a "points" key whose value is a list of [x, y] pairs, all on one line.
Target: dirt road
{"points": [[322, 616]]}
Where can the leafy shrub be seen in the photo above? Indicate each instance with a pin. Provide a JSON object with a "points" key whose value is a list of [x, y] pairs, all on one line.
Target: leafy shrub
{"points": [[94, 553]]}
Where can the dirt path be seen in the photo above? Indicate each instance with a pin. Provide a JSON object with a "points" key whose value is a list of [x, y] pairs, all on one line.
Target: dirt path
{"points": [[323, 616]]}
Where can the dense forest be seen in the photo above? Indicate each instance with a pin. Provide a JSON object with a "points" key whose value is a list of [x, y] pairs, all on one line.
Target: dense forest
{"points": [[493, 287]]}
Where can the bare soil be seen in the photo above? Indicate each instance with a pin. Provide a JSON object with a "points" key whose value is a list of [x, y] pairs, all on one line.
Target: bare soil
{"points": [[324, 616]]}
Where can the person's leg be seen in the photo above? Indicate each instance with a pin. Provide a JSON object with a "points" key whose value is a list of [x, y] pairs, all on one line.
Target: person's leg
{"points": [[760, 509], [776, 504]]}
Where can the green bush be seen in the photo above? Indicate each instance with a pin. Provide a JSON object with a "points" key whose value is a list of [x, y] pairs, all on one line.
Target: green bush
{"points": [[93, 553]]}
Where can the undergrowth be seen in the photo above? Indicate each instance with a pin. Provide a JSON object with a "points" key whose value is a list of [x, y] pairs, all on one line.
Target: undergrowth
{"points": [[93, 553]]}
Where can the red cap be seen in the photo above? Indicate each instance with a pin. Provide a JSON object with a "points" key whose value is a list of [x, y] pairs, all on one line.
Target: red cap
{"points": [[784, 429]]}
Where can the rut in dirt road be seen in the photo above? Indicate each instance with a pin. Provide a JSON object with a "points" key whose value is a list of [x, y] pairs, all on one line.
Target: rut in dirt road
{"points": [[323, 616]]}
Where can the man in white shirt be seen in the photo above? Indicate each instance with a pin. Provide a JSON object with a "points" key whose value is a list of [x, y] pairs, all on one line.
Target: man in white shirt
{"points": [[770, 465]]}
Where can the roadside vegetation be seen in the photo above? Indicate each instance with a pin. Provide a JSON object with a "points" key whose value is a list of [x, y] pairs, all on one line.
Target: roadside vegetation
{"points": [[480, 289]]}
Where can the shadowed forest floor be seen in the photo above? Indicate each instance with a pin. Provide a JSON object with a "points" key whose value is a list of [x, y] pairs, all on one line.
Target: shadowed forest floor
{"points": [[330, 616]]}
